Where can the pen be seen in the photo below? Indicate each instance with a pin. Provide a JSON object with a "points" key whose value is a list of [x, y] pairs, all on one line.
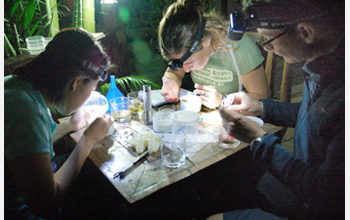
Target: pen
{"points": [[123, 172]]}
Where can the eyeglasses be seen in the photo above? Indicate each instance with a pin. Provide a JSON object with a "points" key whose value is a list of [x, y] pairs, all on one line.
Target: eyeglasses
{"points": [[177, 64], [264, 41]]}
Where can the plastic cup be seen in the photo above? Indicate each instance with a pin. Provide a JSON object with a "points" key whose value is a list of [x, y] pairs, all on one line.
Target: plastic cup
{"points": [[120, 109], [136, 104], [191, 103], [161, 121], [173, 151], [186, 122]]}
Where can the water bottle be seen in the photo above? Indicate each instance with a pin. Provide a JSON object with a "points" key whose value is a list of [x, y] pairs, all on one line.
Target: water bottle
{"points": [[113, 92]]}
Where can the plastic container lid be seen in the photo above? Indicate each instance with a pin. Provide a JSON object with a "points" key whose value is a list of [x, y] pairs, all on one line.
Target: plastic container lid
{"points": [[184, 117]]}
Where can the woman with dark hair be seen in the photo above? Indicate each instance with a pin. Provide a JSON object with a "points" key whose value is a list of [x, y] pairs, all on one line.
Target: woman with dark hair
{"points": [[62, 77], [197, 42]]}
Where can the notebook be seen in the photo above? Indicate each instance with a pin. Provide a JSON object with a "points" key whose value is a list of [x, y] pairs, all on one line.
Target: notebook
{"points": [[158, 99]]}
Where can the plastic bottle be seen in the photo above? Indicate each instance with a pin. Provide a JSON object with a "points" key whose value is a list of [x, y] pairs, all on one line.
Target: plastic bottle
{"points": [[113, 92]]}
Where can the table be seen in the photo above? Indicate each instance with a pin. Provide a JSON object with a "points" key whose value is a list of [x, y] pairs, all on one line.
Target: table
{"points": [[113, 153]]}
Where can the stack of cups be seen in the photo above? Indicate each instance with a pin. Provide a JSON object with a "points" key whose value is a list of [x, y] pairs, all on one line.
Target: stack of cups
{"points": [[35, 44]]}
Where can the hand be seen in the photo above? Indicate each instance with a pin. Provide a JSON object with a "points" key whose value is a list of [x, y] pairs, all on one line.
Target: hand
{"points": [[98, 129], [244, 104], [170, 90], [211, 98], [239, 126], [79, 120]]}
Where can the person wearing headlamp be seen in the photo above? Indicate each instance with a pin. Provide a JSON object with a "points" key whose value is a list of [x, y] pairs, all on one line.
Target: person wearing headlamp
{"points": [[61, 78], [197, 42], [310, 182]]}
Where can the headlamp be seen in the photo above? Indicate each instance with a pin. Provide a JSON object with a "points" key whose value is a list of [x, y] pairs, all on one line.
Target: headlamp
{"points": [[96, 69], [237, 26], [271, 16], [177, 64]]}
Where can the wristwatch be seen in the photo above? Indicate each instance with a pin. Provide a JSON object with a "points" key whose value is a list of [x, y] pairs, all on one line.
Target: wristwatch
{"points": [[256, 142]]}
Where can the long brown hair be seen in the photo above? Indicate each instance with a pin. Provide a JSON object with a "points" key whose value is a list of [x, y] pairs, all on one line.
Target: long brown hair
{"points": [[180, 24]]}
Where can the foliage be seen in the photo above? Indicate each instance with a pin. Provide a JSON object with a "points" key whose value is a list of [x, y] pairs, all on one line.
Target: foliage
{"points": [[78, 14], [24, 18], [130, 83], [148, 13]]}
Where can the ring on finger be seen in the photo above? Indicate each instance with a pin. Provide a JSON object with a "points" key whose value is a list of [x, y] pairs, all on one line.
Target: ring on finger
{"points": [[205, 93]]}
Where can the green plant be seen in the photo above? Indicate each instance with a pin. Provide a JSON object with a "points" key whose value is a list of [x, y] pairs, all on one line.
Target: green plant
{"points": [[84, 15], [129, 84], [149, 13], [23, 18]]}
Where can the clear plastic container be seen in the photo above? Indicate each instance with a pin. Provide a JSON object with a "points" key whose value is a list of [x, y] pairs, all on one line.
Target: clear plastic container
{"points": [[187, 122], [97, 102], [191, 103], [96, 106], [161, 121], [35, 44], [47, 40]]}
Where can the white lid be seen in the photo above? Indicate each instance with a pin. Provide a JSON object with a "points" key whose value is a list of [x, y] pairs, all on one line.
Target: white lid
{"points": [[184, 117]]}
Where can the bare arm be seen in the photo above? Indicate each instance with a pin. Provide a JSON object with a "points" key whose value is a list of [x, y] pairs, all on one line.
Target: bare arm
{"points": [[256, 84], [42, 190], [78, 121], [172, 82]]}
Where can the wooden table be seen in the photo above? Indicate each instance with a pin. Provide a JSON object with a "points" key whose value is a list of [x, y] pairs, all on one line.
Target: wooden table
{"points": [[114, 153]]}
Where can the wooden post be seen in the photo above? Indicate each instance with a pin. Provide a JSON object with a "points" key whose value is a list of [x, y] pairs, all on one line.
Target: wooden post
{"points": [[286, 86]]}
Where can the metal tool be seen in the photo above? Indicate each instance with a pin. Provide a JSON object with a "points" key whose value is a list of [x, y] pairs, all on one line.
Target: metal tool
{"points": [[123, 172], [232, 101], [147, 102]]}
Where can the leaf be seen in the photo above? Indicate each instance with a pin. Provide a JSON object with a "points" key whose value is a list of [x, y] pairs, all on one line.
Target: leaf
{"points": [[130, 83], [33, 28], [14, 8]]}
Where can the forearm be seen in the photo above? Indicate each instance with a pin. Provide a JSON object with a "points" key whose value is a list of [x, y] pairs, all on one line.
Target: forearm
{"points": [[258, 96], [70, 170], [61, 130], [176, 76]]}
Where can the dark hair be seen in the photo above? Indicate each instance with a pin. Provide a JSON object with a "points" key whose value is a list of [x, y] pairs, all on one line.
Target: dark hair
{"points": [[64, 58]]}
